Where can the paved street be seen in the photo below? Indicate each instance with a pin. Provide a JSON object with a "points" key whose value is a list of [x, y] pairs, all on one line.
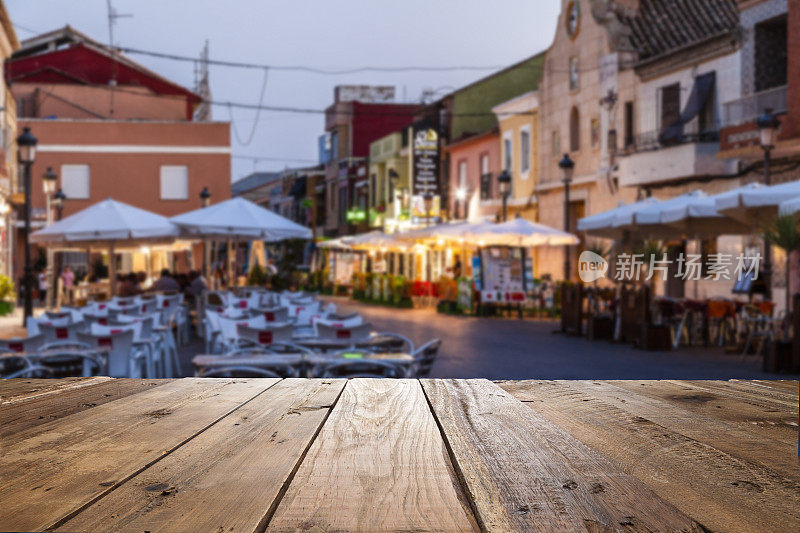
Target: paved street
{"points": [[520, 349]]}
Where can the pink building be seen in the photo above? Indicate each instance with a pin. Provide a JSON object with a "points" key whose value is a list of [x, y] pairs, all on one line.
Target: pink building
{"points": [[474, 167]]}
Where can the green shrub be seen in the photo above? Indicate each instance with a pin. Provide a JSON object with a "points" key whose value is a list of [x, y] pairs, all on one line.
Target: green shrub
{"points": [[257, 277], [7, 293]]}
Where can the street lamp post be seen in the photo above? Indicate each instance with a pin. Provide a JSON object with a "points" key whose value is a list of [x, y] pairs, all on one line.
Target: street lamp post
{"points": [[58, 203], [49, 183], [567, 166], [26, 154], [768, 135], [394, 179], [504, 182]]}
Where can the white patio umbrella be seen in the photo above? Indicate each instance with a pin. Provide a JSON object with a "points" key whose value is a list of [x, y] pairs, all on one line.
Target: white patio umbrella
{"points": [[238, 218], [789, 207], [519, 232], [696, 215], [108, 223], [603, 224], [377, 239], [756, 204]]}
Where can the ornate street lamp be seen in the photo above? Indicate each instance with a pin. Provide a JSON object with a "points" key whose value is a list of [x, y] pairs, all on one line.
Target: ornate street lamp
{"points": [[205, 197], [768, 125], [567, 166], [504, 182], [58, 201], [26, 155]]}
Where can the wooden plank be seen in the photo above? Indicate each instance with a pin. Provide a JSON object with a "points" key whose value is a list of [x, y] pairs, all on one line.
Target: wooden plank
{"points": [[241, 463], [22, 419], [14, 390], [56, 473], [742, 442], [790, 385], [755, 393], [771, 420], [524, 473], [379, 463], [720, 491]]}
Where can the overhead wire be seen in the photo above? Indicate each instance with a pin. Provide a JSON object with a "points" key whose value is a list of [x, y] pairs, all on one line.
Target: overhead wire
{"points": [[258, 114]]}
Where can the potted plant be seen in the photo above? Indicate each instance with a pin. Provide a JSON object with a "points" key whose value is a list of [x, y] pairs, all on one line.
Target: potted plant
{"points": [[7, 295]]}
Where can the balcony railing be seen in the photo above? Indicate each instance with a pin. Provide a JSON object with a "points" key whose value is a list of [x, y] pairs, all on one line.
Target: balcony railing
{"points": [[654, 140], [749, 108]]}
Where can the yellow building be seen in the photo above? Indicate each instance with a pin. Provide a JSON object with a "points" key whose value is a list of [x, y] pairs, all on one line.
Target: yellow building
{"points": [[389, 182], [8, 129], [518, 120]]}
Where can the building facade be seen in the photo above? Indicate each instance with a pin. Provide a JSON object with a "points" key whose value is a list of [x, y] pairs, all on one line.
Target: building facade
{"points": [[135, 140], [9, 184], [475, 163]]}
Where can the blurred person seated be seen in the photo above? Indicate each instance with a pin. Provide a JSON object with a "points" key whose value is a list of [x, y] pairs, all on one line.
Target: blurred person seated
{"points": [[198, 283], [165, 283], [129, 286]]}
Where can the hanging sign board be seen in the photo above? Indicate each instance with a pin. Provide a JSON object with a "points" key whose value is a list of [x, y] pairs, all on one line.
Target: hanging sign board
{"points": [[425, 146]]}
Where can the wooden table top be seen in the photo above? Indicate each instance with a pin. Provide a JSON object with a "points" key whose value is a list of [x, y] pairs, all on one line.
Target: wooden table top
{"points": [[101, 454]]}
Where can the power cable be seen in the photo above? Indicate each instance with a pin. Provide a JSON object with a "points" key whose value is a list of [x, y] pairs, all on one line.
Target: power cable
{"points": [[258, 113]]}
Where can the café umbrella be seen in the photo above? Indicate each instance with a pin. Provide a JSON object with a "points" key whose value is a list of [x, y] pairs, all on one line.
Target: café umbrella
{"points": [[109, 223], [756, 205], [518, 232], [609, 224]]}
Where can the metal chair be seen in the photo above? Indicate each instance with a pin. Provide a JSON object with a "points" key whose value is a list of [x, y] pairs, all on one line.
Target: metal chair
{"points": [[425, 356], [266, 336], [123, 361], [30, 372], [19, 345], [352, 334], [274, 314], [53, 333], [361, 369]]}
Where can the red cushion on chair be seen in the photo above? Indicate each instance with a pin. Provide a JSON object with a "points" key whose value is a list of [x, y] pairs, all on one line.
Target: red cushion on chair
{"points": [[101, 306], [102, 321], [269, 316], [16, 346], [105, 341], [220, 309], [62, 333], [265, 337], [343, 334], [165, 303], [242, 304]]}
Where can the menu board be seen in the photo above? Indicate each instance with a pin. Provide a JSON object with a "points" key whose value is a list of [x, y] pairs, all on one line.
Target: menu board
{"points": [[345, 265], [503, 274]]}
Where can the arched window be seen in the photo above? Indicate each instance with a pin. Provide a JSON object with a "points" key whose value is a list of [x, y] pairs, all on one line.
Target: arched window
{"points": [[574, 130]]}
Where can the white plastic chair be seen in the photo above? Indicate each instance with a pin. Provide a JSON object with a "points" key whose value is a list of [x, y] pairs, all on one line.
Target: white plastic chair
{"points": [[123, 361]]}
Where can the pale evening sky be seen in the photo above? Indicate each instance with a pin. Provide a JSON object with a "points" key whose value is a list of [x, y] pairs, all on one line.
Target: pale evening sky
{"points": [[320, 33]]}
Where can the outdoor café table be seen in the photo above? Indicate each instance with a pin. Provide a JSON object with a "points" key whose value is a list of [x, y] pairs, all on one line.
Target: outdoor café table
{"points": [[34, 357], [198, 454], [302, 361]]}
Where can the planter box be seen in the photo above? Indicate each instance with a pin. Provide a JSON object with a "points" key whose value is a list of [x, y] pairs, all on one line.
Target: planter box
{"points": [[657, 338], [600, 328]]}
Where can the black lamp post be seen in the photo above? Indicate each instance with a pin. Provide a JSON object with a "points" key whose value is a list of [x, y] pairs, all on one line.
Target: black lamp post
{"points": [[394, 179], [26, 154], [567, 166], [58, 201], [504, 182], [768, 135], [49, 184], [205, 197]]}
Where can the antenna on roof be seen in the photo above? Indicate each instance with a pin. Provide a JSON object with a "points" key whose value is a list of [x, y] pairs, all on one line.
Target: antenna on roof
{"points": [[112, 19], [203, 87]]}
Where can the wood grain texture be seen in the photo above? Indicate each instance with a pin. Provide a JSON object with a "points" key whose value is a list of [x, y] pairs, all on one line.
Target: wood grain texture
{"points": [[720, 491], [15, 390], [762, 416], [227, 477], [55, 473], [524, 473], [791, 385], [742, 442], [23, 418], [379, 463]]}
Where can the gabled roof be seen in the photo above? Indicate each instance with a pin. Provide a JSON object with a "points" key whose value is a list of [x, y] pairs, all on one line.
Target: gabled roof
{"points": [[68, 56], [661, 27], [254, 180]]}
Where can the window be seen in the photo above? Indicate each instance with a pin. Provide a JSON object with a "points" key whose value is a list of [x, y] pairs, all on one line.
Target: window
{"points": [[174, 182], [334, 146], [508, 149], [75, 181], [770, 53], [670, 104], [594, 129], [462, 174], [574, 130], [524, 151], [556, 144], [373, 189], [486, 178], [573, 73], [628, 124]]}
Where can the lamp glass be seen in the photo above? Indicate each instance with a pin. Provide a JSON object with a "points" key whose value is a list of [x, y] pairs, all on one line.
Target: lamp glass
{"points": [[27, 153], [768, 136], [461, 193], [49, 185]]}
